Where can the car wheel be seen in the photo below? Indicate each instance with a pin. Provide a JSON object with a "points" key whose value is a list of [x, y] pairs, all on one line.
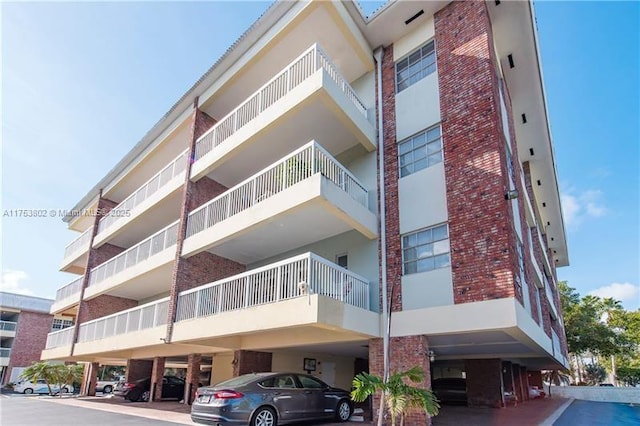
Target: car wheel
{"points": [[107, 389], [134, 396], [145, 396], [343, 411], [64, 390], [264, 416], [28, 391]]}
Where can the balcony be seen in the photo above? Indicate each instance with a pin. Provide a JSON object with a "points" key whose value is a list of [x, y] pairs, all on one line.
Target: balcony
{"points": [[159, 194], [58, 344], [304, 291], [75, 254], [141, 326], [270, 212], [67, 296], [309, 97], [549, 293], [139, 272], [8, 328]]}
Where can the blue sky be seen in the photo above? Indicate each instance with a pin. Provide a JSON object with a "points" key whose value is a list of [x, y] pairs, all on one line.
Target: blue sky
{"points": [[83, 82]]}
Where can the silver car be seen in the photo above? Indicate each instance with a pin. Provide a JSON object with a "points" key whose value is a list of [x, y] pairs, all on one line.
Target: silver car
{"points": [[270, 399]]}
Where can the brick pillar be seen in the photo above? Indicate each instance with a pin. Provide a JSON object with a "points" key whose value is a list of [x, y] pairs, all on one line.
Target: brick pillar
{"points": [[193, 377], [245, 362], [138, 369], [157, 374], [525, 382], [517, 381], [405, 353], [484, 382], [481, 234], [89, 379], [535, 379]]}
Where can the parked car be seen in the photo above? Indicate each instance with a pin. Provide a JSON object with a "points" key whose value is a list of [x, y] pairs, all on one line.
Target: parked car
{"points": [[535, 392], [172, 388], [270, 399], [40, 387], [106, 386], [450, 390]]}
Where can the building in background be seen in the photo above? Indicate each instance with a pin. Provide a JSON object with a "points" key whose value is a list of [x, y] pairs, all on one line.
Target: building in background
{"points": [[248, 229], [25, 322]]}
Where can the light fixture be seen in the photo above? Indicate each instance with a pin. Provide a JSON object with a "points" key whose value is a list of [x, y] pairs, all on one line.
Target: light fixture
{"points": [[511, 194], [432, 356]]}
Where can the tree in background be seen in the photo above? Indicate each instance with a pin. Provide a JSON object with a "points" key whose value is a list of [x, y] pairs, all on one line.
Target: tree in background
{"points": [[594, 374], [40, 371]]}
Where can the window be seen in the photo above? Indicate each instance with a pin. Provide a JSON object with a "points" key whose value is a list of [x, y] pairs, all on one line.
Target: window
{"points": [[415, 66], [420, 151], [310, 383], [342, 260], [59, 324], [426, 250]]}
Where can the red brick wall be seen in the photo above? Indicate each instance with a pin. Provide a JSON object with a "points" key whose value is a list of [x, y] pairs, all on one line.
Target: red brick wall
{"points": [[193, 376], [484, 382], [483, 252], [204, 268], [30, 339], [102, 306], [202, 191], [157, 375], [138, 369], [245, 362], [535, 378], [405, 353], [390, 147], [102, 254]]}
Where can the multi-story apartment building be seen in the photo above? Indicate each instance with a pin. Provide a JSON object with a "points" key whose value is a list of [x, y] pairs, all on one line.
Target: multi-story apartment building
{"points": [[326, 169], [25, 322]]}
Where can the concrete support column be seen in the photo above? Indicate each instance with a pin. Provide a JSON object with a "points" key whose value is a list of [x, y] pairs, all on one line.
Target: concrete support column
{"points": [[525, 382], [484, 382], [157, 376], [193, 377], [138, 369], [89, 379], [245, 362]]}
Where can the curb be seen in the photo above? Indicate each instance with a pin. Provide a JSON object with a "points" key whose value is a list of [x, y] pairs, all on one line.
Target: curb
{"points": [[549, 421]]}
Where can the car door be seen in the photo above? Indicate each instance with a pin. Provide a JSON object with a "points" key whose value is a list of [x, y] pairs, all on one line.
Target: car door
{"points": [[289, 398], [172, 387], [315, 404]]}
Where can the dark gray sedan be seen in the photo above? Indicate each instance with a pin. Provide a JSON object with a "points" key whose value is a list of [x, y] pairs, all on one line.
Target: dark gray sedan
{"points": [[270, 399]]}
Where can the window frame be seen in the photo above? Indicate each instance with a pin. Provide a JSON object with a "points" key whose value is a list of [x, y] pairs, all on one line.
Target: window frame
{"points": [[407, 57], [427, 155], [431, 241]]}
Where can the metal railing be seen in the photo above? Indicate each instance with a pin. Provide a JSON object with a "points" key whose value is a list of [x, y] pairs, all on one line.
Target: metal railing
{"points": [[295, 73], [5, 352], [69, 290], [297, 166], [60, 338], [149, 315], [80, 244], [293, 277], [159, 180], [148, 247], [555, 340], [8, 325]]}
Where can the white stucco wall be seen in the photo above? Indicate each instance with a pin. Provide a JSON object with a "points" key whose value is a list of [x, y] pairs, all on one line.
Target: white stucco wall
{"points": [[423, 199], [423, 33], [293, 362], [427, 289], [418, 107], [597, 393]]}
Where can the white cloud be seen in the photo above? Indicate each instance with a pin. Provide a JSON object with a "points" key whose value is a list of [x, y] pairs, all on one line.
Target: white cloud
{"points": [[578, 207], [626, 293], [12, 282]]}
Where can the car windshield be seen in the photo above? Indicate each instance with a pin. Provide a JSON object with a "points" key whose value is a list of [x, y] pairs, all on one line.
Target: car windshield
{"points": [[239, 381]]}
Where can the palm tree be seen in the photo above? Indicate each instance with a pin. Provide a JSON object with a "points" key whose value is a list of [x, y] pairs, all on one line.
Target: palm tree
{"points": [[40, 371], [399, 396], [69, 374]]}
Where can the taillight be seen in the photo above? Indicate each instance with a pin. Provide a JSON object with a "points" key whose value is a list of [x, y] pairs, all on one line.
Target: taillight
{"points": [[227, 394], [129, 385]]}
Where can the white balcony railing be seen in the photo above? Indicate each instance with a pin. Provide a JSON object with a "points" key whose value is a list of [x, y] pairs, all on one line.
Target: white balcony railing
{"points": [[60, 338], [8, 325], [297, 166], [159, 180], [152, 245], [300, 275], [69, 290], [295, 73], [142, 317], [78, 245]]}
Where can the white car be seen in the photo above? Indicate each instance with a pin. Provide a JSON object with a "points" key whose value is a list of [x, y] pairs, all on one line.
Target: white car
{"points": [[40, 387]]}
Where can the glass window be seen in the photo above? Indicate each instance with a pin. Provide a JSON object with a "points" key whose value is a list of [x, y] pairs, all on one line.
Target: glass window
{"points": [[426, 250], [310, 382], [415, 66], [420, 151]]}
